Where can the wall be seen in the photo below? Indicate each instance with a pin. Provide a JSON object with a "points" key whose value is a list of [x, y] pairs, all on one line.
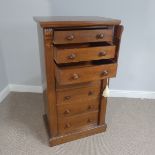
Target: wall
{"points": [[137, 52], [19, 37], [3, 76]]}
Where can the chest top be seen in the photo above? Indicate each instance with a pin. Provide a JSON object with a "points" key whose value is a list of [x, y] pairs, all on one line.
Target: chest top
{"points": [[65, 21]]}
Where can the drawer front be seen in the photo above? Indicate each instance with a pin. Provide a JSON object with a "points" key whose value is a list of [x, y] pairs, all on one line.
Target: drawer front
{"points": [[79, 36], [65, 110], [83, 54], [85, 74], [78, 95], [60, 88], [73, 123]]}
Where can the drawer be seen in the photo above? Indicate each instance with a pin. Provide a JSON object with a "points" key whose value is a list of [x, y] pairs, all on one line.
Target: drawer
{"points": [[75, 54], [72, 75], [82, 36], [77, 122], [77, 95], [65, 110], [76, 86]]}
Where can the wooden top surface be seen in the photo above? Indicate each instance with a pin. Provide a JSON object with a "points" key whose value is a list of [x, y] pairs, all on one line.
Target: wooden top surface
{"points": [[62, 21]]}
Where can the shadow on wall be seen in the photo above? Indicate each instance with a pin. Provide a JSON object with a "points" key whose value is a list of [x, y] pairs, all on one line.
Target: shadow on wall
{"points": [[3, 75]]}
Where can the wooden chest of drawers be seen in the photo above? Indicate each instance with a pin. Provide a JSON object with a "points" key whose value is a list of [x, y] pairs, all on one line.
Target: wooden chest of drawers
{"points": [[78, 55]]}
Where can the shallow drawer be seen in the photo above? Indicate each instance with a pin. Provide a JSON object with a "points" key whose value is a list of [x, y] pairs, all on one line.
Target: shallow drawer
{"points": [[76, 86], [71, 75], [79, 36], [79, 94], [65, 110], [69, 124], [77, 54]]}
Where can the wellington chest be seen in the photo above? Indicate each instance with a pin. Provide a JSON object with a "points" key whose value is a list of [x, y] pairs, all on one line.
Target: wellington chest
{"points": [[78, 56]]}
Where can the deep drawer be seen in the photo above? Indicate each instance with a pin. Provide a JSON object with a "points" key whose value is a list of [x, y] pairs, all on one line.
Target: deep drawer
{"points": [[76, 54], [72, 75], [69, 124], [82, 36]]}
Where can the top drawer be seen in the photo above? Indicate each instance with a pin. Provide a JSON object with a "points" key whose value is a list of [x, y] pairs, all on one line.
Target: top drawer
{"points": [[82, 36]]}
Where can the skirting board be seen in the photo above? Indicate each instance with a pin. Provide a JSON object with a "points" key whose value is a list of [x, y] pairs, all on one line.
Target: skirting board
{"points": [[4, 93], [132, 94], [39, 89], [19, 88], [25, 88]]}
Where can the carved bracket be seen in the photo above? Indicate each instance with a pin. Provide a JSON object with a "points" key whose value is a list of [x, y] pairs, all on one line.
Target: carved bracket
{"points": [[48, 36]]}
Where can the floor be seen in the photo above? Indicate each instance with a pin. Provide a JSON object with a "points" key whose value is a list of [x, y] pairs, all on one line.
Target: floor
{"points": [[131, 129]]}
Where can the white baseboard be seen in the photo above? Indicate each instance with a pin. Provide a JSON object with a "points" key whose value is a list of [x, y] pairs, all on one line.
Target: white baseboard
{"points": [[25, 88], [132, 94], [4, 93]]}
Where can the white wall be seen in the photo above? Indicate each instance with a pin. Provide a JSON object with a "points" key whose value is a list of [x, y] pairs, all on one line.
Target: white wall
{"points": [[136, 71], [18, 37]]}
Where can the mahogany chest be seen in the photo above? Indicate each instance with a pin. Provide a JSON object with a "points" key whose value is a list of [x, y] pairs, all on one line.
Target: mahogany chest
{"points": [[78, 55]]}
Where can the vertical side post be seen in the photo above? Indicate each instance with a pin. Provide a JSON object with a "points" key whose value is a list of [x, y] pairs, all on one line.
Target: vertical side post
{"points": [[103, 104], [117, 39], [50, 78]]}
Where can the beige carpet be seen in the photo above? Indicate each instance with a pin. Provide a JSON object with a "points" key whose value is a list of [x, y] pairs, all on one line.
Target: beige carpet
{"points": [[131, 129]]}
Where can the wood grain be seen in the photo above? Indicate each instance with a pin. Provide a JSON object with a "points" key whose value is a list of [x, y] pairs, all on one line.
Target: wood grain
{"points": [[61, 88], [78, 94], [69, 75], [76, 122], [78, 134], [77, 107], [117, 39], [80, 53], [51, 95], [74, 21], [80, 36], [67, 55], [103, 103]]}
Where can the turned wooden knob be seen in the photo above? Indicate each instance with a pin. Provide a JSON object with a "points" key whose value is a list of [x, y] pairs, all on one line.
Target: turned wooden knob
{"points": [[100, 36], [90, 93], [90, 107], [104, 73], [67, 97], [75, 76], [67, 111], [102, 54], [89, 120], [70, 37], [68, 125], [72, 56]]}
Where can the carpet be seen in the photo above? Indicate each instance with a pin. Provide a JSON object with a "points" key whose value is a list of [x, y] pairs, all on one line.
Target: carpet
{"points": [[130, 129]]}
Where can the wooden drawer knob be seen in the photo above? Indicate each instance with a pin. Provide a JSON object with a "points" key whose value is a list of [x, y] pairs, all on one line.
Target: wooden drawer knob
{"points": [[67, 111], [70, 37], [102, 54], [100, 36], [90, 107], [72, 56], [68, 125], [75, 76], [67, 97], [89, 120], [90, 93], [104, 73]]}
